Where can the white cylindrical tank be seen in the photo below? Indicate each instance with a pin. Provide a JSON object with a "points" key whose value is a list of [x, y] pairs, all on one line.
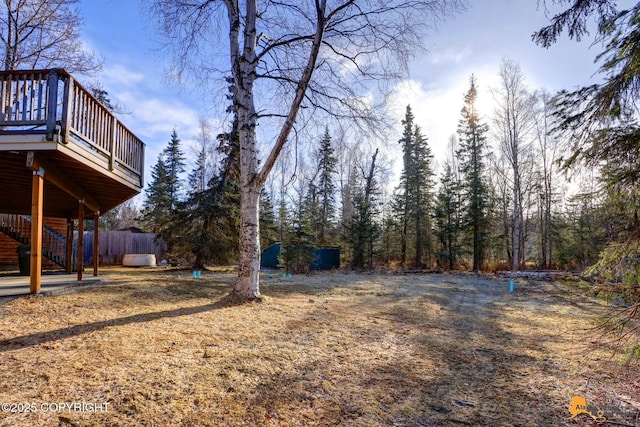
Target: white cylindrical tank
{"points": [[139, 260]]}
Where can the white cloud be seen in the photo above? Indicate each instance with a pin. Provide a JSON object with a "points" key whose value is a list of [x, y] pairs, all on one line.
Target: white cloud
{"points": [[119, 76], [436, 107], [449, 56], [155, 116]]}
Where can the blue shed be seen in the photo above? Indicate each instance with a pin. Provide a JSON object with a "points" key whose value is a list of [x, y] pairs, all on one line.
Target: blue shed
{"points": [[270, 256], [324, 257]]}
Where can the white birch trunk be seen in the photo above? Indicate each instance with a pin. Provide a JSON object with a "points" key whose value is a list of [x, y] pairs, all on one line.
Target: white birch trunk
{"points": [[248, 283], [244, 64], [251, 179]]}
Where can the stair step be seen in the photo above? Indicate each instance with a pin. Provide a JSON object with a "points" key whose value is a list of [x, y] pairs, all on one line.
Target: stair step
{"points": [[16, 235]]}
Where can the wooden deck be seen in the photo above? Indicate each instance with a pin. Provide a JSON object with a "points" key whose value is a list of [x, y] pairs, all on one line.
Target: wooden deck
{"points": [[63, 155], [48, 121]]}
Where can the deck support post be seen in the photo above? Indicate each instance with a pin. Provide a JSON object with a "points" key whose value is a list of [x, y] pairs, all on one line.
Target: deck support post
{"points": [[96, 248], [68, 257], [80, 238], [37, 188]]}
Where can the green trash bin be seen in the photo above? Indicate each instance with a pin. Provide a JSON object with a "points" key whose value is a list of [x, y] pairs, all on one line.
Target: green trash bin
{"points": [[24, 259]]}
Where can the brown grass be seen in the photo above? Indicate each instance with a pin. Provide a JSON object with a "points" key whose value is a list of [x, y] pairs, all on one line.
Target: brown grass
{"points": [[328, 349]]}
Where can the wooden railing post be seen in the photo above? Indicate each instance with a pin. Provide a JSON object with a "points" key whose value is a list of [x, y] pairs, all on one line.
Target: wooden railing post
{"points": [[66, 112], [112, 148], [52, 103], [141, 164]]}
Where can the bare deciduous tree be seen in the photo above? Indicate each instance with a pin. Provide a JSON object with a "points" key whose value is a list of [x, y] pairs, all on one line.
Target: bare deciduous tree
{"points": [[44, 34], [549, 151], [328, 57], [513, 120]]}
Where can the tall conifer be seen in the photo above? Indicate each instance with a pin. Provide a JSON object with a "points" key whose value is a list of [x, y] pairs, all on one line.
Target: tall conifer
{"points": [[326, 187], [447, 218], [413, 201], [472, 152]]}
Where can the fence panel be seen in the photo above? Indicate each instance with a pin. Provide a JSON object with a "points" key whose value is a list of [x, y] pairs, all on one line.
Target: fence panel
{"points": [[112, 245]]}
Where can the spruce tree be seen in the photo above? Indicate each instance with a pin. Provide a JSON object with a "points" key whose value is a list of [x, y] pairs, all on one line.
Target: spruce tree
{"points": [[413, 200], [207, 220], [193, 217], [421, 196], [268, 222], [201, 172], [223, 199], [363, 230], [160, 209], [447, 218], [297, 249], [156, 211], [175, 167], [401, 202], [326, 187], [472, 133]]}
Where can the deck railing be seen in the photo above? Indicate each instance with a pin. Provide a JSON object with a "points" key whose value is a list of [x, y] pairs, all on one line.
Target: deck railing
{"points": [[54, 244], [52, 103]]}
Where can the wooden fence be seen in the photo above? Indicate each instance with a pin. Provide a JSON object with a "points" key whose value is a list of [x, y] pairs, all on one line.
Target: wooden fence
{"points": [[112, 245]]}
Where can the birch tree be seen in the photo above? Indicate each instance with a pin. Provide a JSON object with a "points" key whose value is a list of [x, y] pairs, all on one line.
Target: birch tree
{"points": [[321, 56], [513, 120], [548, 150]]}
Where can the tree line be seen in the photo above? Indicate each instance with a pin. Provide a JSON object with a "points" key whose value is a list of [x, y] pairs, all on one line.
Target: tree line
{"points": [[499, 200]]}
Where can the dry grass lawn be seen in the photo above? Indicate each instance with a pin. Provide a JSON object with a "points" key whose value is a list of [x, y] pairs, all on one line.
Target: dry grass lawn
{"points": [[330, 349]]}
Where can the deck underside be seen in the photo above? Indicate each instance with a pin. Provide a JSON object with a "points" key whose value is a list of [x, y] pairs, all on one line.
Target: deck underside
{"points": [[78, 167]]}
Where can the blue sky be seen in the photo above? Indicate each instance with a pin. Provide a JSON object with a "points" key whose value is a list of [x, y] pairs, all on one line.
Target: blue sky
{"points": [[475, 41]]}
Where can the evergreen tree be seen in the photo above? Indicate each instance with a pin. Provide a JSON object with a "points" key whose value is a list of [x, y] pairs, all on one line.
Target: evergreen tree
{"points": [[160, 209], [326, 188], [175, 166], [472, 133], [103, 97], [221, 202], [362, 230], [447, 218], [401, 202], [156, 211], [194, 216], [601, 120], [201, 173], [269, 229], [297, 249], [422, 197], [414, 199]]}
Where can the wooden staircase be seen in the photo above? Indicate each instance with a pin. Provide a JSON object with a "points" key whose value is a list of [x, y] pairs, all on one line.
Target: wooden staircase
{"points": [[18, 227]]}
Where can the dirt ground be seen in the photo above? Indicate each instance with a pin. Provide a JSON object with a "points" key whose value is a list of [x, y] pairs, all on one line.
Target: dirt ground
{"points": [[155, 347]]}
